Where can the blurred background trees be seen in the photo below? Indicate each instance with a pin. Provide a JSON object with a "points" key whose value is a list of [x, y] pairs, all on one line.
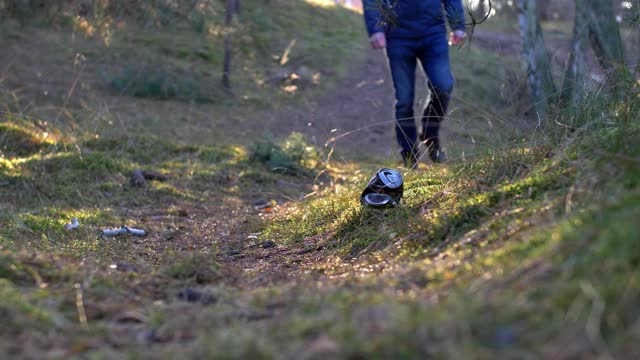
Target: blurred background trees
{"points": [[580, 32]]}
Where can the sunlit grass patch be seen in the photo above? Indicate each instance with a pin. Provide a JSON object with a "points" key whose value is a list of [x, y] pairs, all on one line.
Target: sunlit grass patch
{"points": [[69, 177], [292, 155], [437, 204], [96, 173], [16, 140], [218, 154], [311, 217], [45, 229]]}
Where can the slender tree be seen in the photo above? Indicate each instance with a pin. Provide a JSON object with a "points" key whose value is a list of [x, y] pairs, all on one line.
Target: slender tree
{"points": [[604, 33], [575, 76], [595, 23], [481, 8], [226, 64], [538, 65]]}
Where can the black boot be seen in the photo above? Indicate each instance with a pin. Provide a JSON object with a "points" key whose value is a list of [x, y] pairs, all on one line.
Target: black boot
{"points": [[433, 115], [436, 154]]}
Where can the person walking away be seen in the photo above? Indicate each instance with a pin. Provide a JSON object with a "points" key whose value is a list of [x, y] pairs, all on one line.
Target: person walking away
{"points": [[413, 30]]}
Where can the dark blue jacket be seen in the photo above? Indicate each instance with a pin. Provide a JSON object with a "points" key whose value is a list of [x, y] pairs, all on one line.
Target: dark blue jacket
{"points": [[412, 18]]}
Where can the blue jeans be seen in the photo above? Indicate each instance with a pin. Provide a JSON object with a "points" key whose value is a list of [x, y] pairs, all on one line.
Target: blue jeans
{"points": [[433, 53]]}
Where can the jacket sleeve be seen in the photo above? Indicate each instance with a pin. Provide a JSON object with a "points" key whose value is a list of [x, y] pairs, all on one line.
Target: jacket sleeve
{"points": [[372, 16], [455, 14]]}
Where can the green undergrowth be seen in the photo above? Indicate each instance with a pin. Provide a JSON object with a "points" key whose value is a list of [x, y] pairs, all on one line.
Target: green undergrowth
{"points": [[170, 51], [292, 155], [158, 82], [535, 248], [440, 202]]}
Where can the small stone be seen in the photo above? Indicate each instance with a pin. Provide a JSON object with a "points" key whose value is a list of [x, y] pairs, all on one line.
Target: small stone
{"points": [[264, 204], [505, 337], [183, 213], [268, 244], [311, 187], [131, 317], [196, 296], [152, 175], [73, 225], [126, 267], [147, 336], [137, 178], [305, 73], [260, 203], [323, 346]]}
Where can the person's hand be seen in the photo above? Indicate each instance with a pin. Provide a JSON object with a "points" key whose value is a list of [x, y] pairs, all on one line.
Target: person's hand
{"points": [[378, 41], [457, 37]]}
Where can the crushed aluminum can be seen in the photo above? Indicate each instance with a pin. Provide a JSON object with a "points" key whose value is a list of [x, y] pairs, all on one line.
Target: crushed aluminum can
{"points": [[124, 230], [385, 189], [73, 225]]}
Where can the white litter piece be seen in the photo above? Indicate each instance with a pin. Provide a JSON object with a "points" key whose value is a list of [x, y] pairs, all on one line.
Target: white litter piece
{"points": [[73, 225], [124, 230]]}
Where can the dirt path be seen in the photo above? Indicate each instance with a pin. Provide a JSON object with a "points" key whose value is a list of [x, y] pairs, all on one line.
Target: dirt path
{"points": [[358, 108]]}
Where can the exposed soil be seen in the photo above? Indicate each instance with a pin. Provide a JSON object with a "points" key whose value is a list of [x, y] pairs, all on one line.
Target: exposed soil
{"points": [[357, 112]]}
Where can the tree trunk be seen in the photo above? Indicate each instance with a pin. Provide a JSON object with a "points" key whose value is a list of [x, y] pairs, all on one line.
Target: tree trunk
{"points": [[542, 9], [538, 66], [575, 77], [226, 64], [604, 33], [481, 9], [595, 22]]}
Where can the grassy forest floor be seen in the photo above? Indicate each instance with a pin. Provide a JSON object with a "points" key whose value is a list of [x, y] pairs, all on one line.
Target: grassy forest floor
{"points": [[523, 245]]}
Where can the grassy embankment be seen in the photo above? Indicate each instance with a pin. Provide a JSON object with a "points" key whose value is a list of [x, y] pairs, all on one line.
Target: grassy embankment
{"points": [[106, 76], [526, 248]]}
